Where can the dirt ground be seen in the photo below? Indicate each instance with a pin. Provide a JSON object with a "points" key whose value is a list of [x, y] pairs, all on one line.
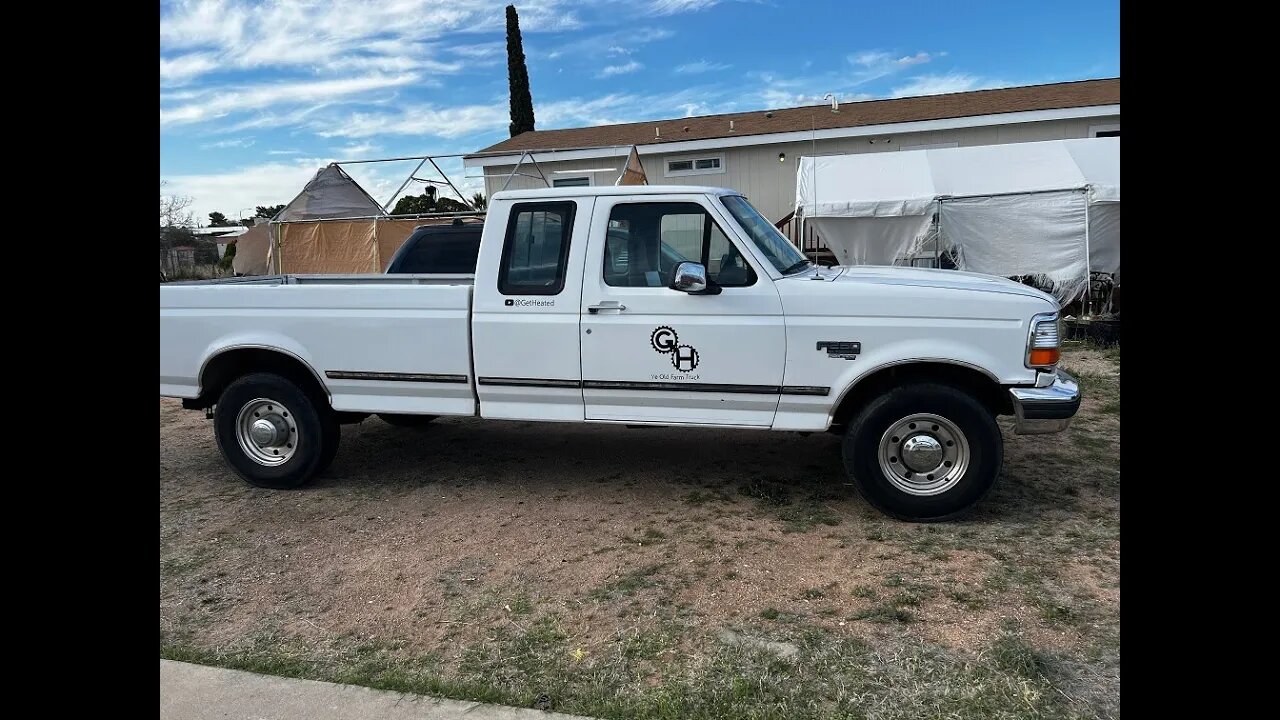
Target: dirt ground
{"points": [[436, 548]]}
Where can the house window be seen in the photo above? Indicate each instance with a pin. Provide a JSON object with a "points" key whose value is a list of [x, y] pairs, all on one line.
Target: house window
{"points": [[695, 165], [1112, 130], [582, 181]]}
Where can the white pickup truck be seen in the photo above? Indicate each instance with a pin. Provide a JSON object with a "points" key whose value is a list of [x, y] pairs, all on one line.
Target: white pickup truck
{"points": [[652, 305]]}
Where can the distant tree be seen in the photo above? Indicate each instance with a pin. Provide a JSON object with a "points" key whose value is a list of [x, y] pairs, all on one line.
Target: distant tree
{"points": [[479, 201], [414, 205], [268, 211], [450, 205], [427, 202], [217, 219], [225, 262], [518, 77], [173, 210]]}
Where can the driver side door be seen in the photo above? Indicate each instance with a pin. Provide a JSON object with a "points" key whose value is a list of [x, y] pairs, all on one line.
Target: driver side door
{"points": [[651, 354]]}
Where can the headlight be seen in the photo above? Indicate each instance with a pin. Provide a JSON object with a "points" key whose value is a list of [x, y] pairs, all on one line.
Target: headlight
{"points": [[1042, 342]]}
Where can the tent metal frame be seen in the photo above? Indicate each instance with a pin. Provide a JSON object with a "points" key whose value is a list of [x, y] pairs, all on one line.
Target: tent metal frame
{"points": [[442, 181]]}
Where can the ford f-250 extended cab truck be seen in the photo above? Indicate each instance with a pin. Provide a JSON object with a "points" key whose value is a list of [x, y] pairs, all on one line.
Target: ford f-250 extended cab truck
{"points": [[632, 305]]}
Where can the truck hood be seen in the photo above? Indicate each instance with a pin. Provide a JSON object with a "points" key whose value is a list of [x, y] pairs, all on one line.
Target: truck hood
{"points": [[924, 277]]}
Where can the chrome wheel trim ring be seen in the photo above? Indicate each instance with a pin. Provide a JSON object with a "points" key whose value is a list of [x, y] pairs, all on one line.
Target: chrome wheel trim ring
{"points": [[267, 432], [910, 447]]}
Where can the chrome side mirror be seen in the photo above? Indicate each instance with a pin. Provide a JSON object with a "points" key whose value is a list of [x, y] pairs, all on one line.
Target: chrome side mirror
{"points": [[690, 277]]}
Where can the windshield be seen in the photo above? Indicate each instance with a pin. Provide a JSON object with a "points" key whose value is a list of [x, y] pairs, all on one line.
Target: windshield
{"points": [[771, 243]]}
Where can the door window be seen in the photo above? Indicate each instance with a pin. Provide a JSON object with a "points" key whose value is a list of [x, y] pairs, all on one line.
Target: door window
{"points": [[536, 249], [646, 241]]}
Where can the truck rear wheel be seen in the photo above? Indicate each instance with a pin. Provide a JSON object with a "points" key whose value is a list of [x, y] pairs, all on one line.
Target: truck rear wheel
{"points": [[924, 452], [273, 433]]}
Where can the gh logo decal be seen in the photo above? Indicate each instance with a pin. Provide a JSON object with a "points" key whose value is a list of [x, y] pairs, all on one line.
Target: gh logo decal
{"points": [[665, 340]]}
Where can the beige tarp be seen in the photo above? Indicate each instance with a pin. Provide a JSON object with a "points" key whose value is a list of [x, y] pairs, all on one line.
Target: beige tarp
{"points": [[252, 251], [340, 246], [633, 173], [391, 235]]}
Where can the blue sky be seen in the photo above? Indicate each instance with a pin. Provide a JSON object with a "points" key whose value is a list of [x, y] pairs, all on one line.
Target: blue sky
{"points": [[255, 96]]}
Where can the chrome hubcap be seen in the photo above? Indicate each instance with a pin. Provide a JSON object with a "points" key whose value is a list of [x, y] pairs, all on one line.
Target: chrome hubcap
{"points": [[267, 431], [924, 454], [921, 453]]}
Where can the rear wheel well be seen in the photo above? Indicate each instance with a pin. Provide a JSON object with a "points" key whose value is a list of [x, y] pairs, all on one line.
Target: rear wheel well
{"points": [[987, 391], [224, 368]]}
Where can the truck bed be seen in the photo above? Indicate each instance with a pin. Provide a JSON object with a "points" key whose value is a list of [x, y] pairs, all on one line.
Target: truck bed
{"points": [[355, 279], [378, 343]]}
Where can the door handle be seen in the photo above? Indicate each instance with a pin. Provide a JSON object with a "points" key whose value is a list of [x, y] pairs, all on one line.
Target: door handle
{"points": [[606, 305]]}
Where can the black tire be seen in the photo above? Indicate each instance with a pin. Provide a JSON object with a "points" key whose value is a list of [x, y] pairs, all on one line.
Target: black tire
{"points": [[407, 421], [316, 430], [985, 447]]}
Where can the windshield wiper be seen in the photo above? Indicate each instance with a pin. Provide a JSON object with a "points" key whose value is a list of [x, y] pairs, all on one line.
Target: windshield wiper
{"points": [[797, 266]]}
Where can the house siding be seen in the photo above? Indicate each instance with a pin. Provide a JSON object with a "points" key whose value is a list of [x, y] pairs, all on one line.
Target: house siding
{"points": [[771, 185]]}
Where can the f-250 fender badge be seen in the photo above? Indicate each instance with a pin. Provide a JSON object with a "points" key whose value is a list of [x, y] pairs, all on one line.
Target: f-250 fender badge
{"points": [[840, 349], [665, 340]]}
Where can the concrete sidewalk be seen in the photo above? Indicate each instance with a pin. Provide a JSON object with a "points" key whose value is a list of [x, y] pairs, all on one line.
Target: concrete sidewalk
{"points": [[197, 692]]}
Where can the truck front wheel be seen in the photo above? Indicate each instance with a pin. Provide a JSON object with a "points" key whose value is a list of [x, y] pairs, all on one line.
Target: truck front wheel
{"points": [[273, 433], [924, 452]]}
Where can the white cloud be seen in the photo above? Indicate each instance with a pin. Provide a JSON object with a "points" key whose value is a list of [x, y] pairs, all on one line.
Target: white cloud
{"points": [[219, 102], [611, 70], [246, 187], [185, 67], [203, 36], [867, 58], [234, 143], [917, 59], [878, 63], [942, 84], [429, 120], [609, 43], [284, 152], [702, 66], [672, 7], [780, 98], [355, 150]]}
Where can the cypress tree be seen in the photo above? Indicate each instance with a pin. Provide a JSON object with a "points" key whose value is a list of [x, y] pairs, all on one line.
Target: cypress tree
{"points": [[518, 77]]}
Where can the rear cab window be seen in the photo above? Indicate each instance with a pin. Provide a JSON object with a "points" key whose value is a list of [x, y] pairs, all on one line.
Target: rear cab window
{"points": [[536, 249]]}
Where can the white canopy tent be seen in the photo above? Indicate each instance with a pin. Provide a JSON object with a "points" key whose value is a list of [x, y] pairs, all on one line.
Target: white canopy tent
{"points": [[1050, 208]]}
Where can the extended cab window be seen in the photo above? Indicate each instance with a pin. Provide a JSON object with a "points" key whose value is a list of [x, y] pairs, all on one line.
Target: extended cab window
{"points": [[646, 241], [536, 249]]}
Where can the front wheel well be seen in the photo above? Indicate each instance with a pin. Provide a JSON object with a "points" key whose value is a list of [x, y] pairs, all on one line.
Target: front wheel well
{"points": [[989, 392], [224, 368]]}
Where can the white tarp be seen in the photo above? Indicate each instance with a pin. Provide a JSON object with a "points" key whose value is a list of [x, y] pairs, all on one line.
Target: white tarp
{"points": [[881, 238], [864, 206], [1033, 234]]}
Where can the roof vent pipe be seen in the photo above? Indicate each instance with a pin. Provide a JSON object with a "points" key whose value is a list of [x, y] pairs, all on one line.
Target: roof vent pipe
{"points": [[835, 104], [657, 132], [730, 126]]}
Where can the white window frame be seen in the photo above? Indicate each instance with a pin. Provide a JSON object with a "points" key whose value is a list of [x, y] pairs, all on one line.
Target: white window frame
{"points": [[668, 172], [1095, 129], [929, 146], [587, 176]]}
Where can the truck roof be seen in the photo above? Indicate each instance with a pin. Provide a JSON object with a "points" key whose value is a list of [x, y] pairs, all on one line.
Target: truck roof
{"points": [[591, 190]]}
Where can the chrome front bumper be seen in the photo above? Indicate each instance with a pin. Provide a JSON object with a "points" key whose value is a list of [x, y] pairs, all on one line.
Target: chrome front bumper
{"points": [[1047, 409]]}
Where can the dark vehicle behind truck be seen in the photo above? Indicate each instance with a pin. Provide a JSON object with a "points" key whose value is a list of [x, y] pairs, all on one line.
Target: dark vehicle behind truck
{"points": [[448, 249]]}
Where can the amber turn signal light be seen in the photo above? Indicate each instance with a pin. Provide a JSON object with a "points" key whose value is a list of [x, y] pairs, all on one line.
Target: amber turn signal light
{"points": [[1043, 356]]}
